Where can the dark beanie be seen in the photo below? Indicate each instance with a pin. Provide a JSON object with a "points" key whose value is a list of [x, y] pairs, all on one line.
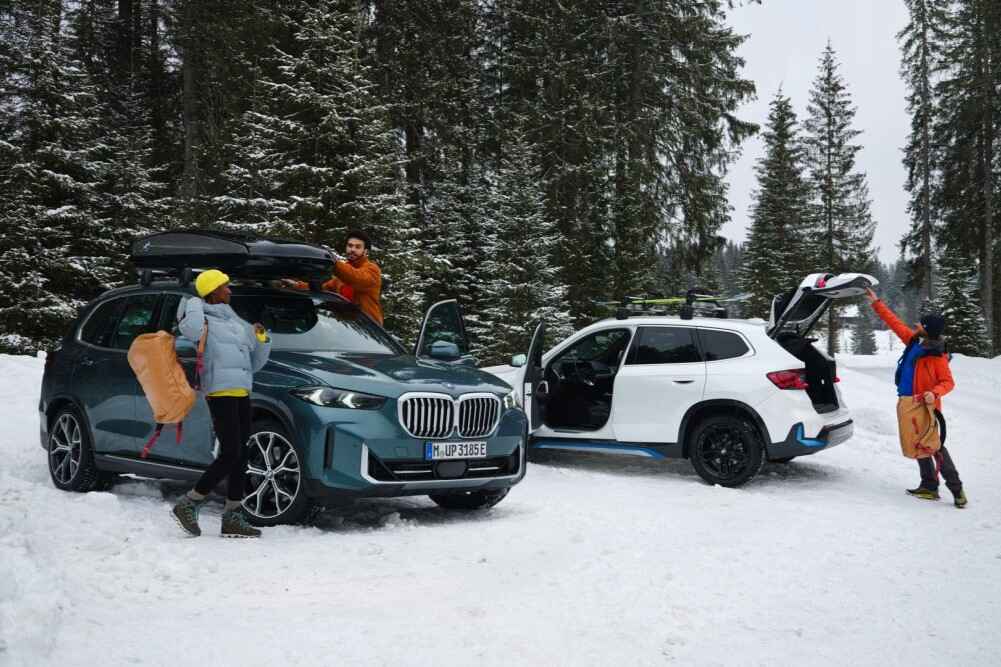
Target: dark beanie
{"points": [[933, 324]]}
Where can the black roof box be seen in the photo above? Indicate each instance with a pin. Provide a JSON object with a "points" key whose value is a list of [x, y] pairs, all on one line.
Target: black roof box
{"points": [[238, 255]]}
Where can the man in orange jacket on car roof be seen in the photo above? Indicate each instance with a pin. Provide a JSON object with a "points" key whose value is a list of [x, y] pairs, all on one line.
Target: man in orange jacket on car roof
{"points": [[356, 277]]}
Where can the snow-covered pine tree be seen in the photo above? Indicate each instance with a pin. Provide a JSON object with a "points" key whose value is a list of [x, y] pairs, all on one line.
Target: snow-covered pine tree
{"points": [[958, 293], [967, 130], [842, 225], [52, 258], [525, 281], [864, 338], [922, 44], [316, 155], [777, 256]]}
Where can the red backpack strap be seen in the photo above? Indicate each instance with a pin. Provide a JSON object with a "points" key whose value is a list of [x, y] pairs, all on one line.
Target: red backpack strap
{"points": [[152, 441], [179, 435]]}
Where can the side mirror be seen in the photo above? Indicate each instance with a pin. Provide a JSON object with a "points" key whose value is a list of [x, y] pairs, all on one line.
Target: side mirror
{"points": [[519, 360], [445, 351]]}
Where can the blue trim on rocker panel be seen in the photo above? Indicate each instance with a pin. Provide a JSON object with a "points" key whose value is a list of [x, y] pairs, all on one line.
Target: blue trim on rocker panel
{"points": [[807, 442], [599, 446]]}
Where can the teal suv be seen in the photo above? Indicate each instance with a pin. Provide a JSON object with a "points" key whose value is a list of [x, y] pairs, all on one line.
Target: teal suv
{"points": [[340, 411]]}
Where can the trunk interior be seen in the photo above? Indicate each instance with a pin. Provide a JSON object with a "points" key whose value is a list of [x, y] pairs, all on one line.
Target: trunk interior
{"points": [[820, 371]]}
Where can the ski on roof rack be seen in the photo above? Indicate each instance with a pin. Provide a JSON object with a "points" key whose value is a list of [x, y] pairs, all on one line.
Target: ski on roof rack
{"points": [[241, 256], [695, 302]]}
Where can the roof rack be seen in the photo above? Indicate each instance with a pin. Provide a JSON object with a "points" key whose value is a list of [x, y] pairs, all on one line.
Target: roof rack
{"points": [[695, 302]]}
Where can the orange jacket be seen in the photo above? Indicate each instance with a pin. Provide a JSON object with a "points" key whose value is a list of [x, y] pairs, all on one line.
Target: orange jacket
{"points": [[931, 372], [365, 280]]}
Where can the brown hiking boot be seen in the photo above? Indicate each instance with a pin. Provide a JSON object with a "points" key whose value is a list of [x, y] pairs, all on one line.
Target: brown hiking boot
{"points": [[234, 524], [185, 513], [923, 493]]}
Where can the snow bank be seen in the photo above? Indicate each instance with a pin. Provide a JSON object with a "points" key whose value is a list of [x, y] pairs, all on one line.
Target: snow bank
{"points": [[593, 560]]}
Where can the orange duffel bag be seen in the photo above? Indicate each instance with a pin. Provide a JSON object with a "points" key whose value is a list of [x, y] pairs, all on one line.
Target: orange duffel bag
{"points": [[154, 361], [919, 436]]}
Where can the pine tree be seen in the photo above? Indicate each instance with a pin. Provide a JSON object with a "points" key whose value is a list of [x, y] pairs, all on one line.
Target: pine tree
{"points": [[922, 44], [864, 339], [54, 257], [843, 226], [777, 255], [526, 282], [966, 326], [968, 131], [316, 156]]}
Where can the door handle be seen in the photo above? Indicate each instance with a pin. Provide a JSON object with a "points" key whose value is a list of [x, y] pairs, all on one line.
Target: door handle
{"points": [[682, 381]]}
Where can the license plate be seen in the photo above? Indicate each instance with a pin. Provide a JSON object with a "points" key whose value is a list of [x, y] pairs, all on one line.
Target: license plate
{"points": [[440, 451]]}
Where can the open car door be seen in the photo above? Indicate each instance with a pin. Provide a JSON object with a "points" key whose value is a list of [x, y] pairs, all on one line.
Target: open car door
{"points": [[795, 312], [533, 388], [443, 335]]}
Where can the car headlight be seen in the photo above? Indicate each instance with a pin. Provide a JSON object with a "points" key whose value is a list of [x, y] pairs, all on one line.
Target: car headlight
{"points": [[512, 400], [339, 398]]}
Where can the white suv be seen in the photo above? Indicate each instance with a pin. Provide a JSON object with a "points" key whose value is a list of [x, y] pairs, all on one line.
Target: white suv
{"points": [[726, 394]]}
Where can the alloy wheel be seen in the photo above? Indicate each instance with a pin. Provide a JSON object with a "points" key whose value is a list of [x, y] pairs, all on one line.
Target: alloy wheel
{"points": [[65, 448], [723, 452], [273, 475]]}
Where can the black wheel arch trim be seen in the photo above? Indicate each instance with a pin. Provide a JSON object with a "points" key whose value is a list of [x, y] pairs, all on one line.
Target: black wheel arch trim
{"points": [[721, 405]]}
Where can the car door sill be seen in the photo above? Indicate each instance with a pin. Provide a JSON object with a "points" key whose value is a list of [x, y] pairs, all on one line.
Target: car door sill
{"points": [[113, 463], [659, 450]]}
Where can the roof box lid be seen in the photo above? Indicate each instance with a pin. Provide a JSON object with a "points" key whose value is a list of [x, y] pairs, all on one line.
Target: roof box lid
{"points": [[239, 255]]}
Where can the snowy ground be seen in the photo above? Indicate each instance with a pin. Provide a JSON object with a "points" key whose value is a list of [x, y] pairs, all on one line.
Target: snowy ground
{"points": [[593, 560]]}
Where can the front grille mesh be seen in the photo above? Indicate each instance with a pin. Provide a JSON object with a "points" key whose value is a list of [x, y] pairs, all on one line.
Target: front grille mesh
{"points": [[440, 416], [478, 416], [428, 417]]}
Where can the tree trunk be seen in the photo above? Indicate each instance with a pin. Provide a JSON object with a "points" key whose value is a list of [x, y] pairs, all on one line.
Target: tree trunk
{"points": [[987, 267], [191, 179]]}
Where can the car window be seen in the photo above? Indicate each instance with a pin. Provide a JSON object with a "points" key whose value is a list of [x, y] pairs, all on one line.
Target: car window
{"points": [[604, 346], [136, 319], [719, 345], [305, 324], [99, 327], [168, 312], [664, 345]]}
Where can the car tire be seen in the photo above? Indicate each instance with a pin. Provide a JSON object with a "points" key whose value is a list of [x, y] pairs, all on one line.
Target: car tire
{"points": [[71, 453], [281, 497], [469, 500], [726, 450]]}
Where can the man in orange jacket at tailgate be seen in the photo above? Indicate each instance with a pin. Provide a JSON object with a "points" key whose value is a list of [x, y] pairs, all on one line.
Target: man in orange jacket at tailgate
{"points": [[356, 277], [923, 372]]}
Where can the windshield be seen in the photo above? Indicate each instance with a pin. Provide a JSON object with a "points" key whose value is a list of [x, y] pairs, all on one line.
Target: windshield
{"points": [[305, 324]]}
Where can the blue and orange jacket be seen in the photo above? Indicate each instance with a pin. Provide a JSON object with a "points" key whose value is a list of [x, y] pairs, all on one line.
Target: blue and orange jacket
{"points": [[931, 371]]}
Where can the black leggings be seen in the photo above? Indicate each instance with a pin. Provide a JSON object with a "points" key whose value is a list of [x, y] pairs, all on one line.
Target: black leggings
{"points": [[231, 421], [929, 479]]}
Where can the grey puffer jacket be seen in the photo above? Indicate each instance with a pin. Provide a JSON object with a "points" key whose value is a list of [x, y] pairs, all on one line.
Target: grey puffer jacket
{"points": [[232, 352]]}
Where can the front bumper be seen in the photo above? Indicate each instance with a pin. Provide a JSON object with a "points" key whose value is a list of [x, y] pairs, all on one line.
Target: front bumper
{"points": [[359, 454], [797, 444]]}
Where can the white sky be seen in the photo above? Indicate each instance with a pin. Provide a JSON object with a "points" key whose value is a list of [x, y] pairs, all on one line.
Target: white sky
{"points": [[786, 40]]}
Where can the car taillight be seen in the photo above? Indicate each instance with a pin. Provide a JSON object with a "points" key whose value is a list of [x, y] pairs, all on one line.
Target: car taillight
{"points": [[792, 379]]}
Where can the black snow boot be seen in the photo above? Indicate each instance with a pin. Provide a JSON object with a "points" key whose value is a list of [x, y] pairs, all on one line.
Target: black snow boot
{"points": [[234, 524]]}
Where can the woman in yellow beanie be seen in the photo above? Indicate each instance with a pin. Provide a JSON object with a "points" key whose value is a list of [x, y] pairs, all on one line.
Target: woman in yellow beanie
{"points": [[234, 351]]}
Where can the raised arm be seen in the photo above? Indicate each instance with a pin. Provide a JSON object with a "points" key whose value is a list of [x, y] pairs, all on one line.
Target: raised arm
{"points": [[366, 277], [904, 332]]}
